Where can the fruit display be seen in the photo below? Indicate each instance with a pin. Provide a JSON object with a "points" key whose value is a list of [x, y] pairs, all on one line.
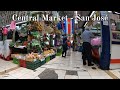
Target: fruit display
{"points": [[18, 56], [33, 56], [48, 29], [48, 52], [36, 26]]}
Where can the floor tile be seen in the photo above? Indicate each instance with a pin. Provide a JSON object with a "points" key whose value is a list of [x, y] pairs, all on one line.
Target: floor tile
{"points": [[98, 77], [37, 77], [60, 65], [83, 73], [85, 77], [9, 77], [71, 77], [2, 69], [27, 76]]}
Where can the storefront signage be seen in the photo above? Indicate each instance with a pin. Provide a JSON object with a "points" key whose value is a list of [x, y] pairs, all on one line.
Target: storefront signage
{"points": [[104, 14]]}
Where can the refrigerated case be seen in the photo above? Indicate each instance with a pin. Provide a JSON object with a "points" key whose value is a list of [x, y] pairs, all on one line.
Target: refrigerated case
{"points": [[115, 37]]}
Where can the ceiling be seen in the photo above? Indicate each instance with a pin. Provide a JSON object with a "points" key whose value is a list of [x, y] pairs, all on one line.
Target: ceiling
{"points": [[70, 14]]}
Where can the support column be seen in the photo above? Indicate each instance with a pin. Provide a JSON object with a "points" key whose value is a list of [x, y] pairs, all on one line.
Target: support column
{"points": [[106, 42]]}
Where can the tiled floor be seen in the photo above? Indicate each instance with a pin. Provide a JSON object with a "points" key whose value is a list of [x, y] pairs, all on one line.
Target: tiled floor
{"points": [[6, 65], [60, 66]]}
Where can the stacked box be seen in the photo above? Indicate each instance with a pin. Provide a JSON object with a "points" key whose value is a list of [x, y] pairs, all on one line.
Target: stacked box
{"points": [[16, 61], [33, 65]]}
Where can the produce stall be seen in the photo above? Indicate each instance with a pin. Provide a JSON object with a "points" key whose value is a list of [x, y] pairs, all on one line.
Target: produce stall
{"points": [[4, 44], [39, 50]]}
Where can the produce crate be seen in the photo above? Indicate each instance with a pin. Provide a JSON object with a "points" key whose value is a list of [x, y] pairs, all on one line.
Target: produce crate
{"points": [[33, 65], [47, 59], [52, 57], [43, 62], [16, 61], [59, 50], [22, 63], [59, 54]]}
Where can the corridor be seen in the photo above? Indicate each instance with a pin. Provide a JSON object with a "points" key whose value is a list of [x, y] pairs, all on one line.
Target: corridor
{"points": [[60, 68]]}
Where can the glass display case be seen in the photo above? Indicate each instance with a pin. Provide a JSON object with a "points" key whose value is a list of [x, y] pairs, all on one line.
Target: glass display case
{"points": [[115, 31]]}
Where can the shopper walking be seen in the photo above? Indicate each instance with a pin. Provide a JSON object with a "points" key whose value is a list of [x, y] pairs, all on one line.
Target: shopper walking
{"points": [[65, 47], [87, 48], [69, 47], [69, 44]]}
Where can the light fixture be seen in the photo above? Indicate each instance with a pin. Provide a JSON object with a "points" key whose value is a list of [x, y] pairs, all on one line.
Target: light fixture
{"points": [[93, 12], [85, 24], [117, 13], [110, 11]]}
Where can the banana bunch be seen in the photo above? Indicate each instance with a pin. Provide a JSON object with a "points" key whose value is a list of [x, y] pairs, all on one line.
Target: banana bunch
{"points": [[38, 26]]}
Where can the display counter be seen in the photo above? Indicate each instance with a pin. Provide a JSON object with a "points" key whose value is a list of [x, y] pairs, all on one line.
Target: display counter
{"points": [[16, 50], [115, 47], [4, 49]]}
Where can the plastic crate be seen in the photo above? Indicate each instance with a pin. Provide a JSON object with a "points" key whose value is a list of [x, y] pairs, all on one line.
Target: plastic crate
{"points": [[33, 65], [15, 61], [59, 50], [22, 63], [52, 57], [43, 62], [47, 59], [59, 54]]}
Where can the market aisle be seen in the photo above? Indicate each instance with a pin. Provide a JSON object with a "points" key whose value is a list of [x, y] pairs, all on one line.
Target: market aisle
{"points": [[6, 66], [59, 68]]}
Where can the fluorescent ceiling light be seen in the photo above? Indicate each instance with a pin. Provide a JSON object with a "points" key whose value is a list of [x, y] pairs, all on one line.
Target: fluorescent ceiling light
{"points": [[17, 23], [117, 13], [85, 24], [93, 12], [110, 11]]}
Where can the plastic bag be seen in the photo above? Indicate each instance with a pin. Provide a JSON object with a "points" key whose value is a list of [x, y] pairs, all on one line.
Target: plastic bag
{"points": [[96, 41]]}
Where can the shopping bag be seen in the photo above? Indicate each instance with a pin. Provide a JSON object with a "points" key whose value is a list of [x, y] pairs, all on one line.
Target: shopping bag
{"points": [[96, 41]]}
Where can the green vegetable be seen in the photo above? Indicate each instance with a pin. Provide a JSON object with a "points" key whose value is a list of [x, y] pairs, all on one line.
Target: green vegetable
{"points": [[12, 44]]}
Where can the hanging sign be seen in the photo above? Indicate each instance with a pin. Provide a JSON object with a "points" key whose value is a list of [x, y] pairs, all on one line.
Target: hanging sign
{"points": [[104, 14], [69, 26]]}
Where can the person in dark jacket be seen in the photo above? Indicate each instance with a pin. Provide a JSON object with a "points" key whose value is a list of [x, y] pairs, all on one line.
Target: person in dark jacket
{"points": [[64, 38], [65, 47]]}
